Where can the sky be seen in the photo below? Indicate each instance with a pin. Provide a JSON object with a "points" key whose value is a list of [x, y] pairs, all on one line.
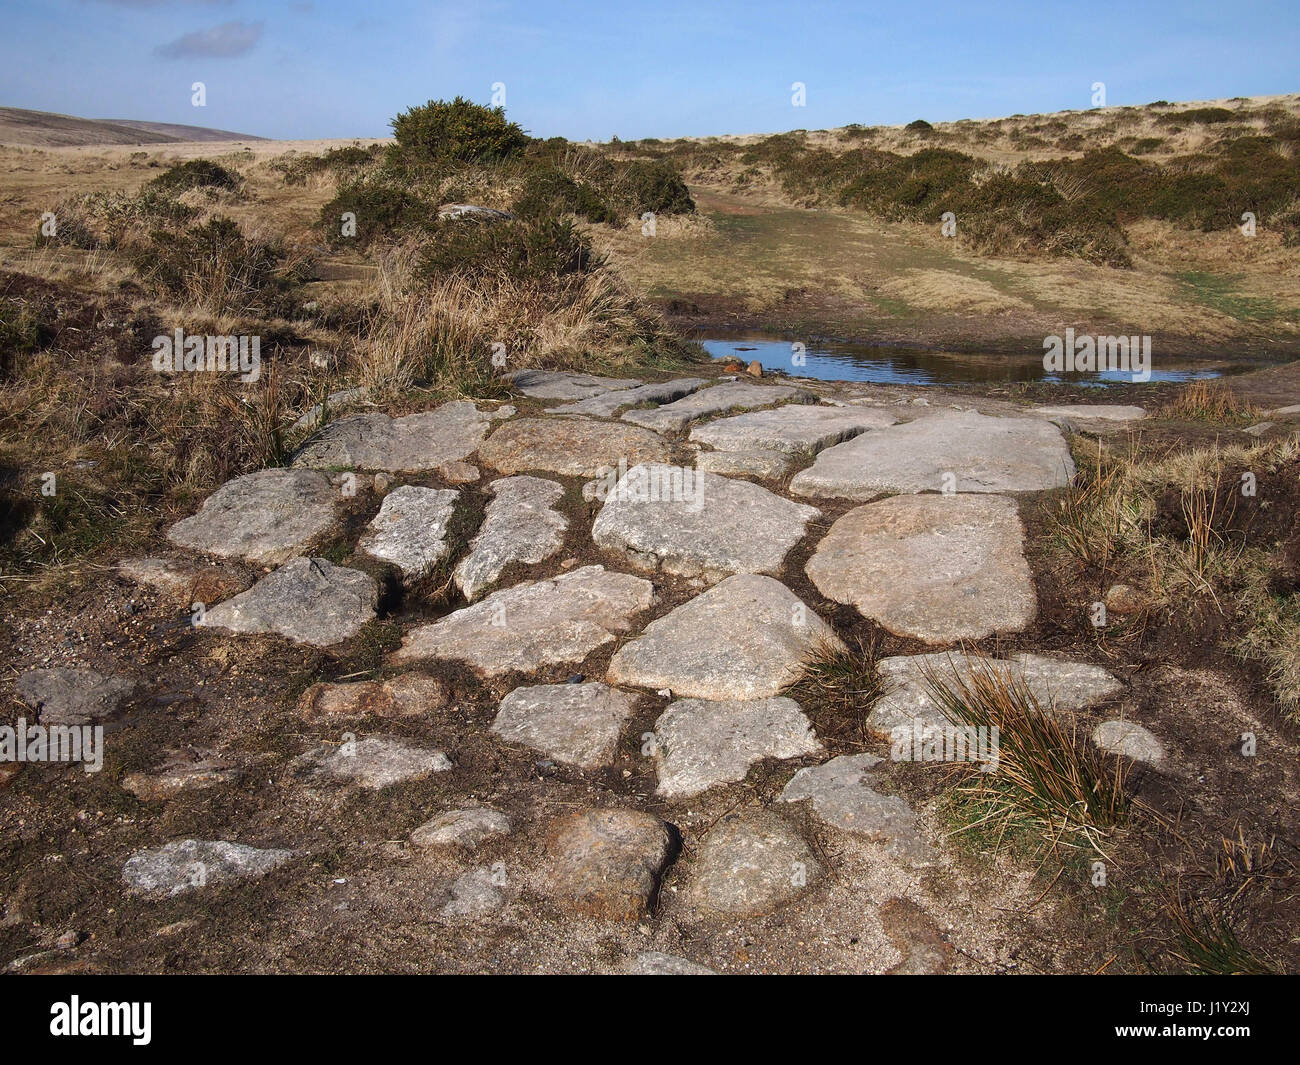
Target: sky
{"points": [[295, 69]]}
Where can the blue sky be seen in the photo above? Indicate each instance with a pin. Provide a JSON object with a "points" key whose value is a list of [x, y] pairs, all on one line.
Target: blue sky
{"points": [[321, 68]]}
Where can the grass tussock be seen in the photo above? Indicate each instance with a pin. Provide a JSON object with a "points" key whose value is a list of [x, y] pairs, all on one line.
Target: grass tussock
{"points": [[838, 682], [1208, 943], [1048, 779], [1210, 401]]}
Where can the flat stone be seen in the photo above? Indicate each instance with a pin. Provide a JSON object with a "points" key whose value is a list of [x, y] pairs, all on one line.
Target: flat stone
{"points": [[698, 524], [575, 723], [407, 695], [178, 775], [607, 863], [769, 465], [520, 525], [654, 963], [750, 864], [335, 401], [700, 743], [416, 442], [309, 600], [564, 384], [376, 762], [572, 447], [534, 624], [937, 568], [1108, 412], [917, 937], [1283, 412], [475, 893], [1130, 740], [794, 429], [465, 829], [410, 529], [66, 696], [840, 796], [1057, 683], [1258, 430], [185, 583], [268, 516], [964, 451], [746, 638], [608, 403], [735, 395], [187, 864], [457, 472]]}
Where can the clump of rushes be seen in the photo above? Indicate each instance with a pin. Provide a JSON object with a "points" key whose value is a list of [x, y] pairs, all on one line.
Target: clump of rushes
{"points": [[838, 685], [1211, 401], [1207, 939], [1047, 778]]}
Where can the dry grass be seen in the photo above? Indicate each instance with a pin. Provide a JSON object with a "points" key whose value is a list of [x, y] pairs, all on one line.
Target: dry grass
{"points": [[1209, 400], [1208, 943], [1047, 777]]}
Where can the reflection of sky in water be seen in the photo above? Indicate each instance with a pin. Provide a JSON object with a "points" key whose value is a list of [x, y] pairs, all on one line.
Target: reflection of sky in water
{"points": [[901, 366]]}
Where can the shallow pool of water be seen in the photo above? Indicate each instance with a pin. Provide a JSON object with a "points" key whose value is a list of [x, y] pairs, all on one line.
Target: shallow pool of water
{"points": [[837, 361]]}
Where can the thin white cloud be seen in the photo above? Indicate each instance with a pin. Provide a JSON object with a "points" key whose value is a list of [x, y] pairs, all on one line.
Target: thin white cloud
{"points": [[226, 41]]}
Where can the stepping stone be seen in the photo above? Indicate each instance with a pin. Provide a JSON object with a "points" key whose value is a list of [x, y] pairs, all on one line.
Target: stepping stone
{"points": [[404, 696], [519, 525], [534, 624], [735, 395], [750, 864], [916, 936], [653, 963], [746, 638], [269, 516], [410, 529], [563, 384], [793, 429], [958, 451], [187, 864], [607, 863], [575, 723], [465, 828], [376, 762], [416, 442], [180, 774], [1258, 430], [698, 524], [185, 583], [572, 447], [840, 797], [936, 568], [769, 465], [1130, 740], [65, 696], [475, 893], [309, 600], [700, 743], [605, 406], [1057, 684], [335, 401], [1108, 412]]}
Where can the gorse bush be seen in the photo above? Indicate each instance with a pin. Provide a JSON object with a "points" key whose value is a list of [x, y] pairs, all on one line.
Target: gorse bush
{"points": [[549, 191], [337, 161], [382, 207], [536, 251], [197, 174], [657, 186], [459, 130]]}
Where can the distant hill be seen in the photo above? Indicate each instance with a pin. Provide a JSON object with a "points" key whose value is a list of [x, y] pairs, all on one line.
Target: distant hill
{"points": [[44, 129]]}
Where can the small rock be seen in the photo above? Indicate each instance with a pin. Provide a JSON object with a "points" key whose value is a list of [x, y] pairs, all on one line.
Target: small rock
{"points": [[185, 583], [65, 696], [607, 863], [410, 529], [575, 723], [750, 864], [457, 472], [377, 762], [406, 695], [767, 465], [187, 864], [1130, 740], [755, 369], [653, 963], [383, 483], [177, 776], [1124, 599], [475, 893], [465, 828]]}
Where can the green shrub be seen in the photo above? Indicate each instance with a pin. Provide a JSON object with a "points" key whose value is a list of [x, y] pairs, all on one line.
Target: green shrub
{"points": [[657, 186], [336, 161], [197, 174], [549, 192], [1205, 116], [383, 208], [535, 251], [460, 130], [919, 125]]}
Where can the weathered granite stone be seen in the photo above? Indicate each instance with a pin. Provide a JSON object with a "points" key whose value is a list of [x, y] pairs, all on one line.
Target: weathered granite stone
{"points": [[416, 442], [186, 864], [701, 743], [749, 864], [410, 529], [794, 429], [573, 447], [268, 516], [465, 828], [746, 638], [519, 525], [609, 403], [735, 395], [946, 451], [937, 568], [768, 465], [376, 762], [698, 524], [65, 696], [575, 723], [185, 583], [1129, 739], [653, 963], [564, 384], [309, 600], [536, 623], [404, 696], [607, 863]]}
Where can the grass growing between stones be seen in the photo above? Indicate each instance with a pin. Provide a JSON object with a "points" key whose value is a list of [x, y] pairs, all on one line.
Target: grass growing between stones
{"points": [[1047, 777], [838, 686]]}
